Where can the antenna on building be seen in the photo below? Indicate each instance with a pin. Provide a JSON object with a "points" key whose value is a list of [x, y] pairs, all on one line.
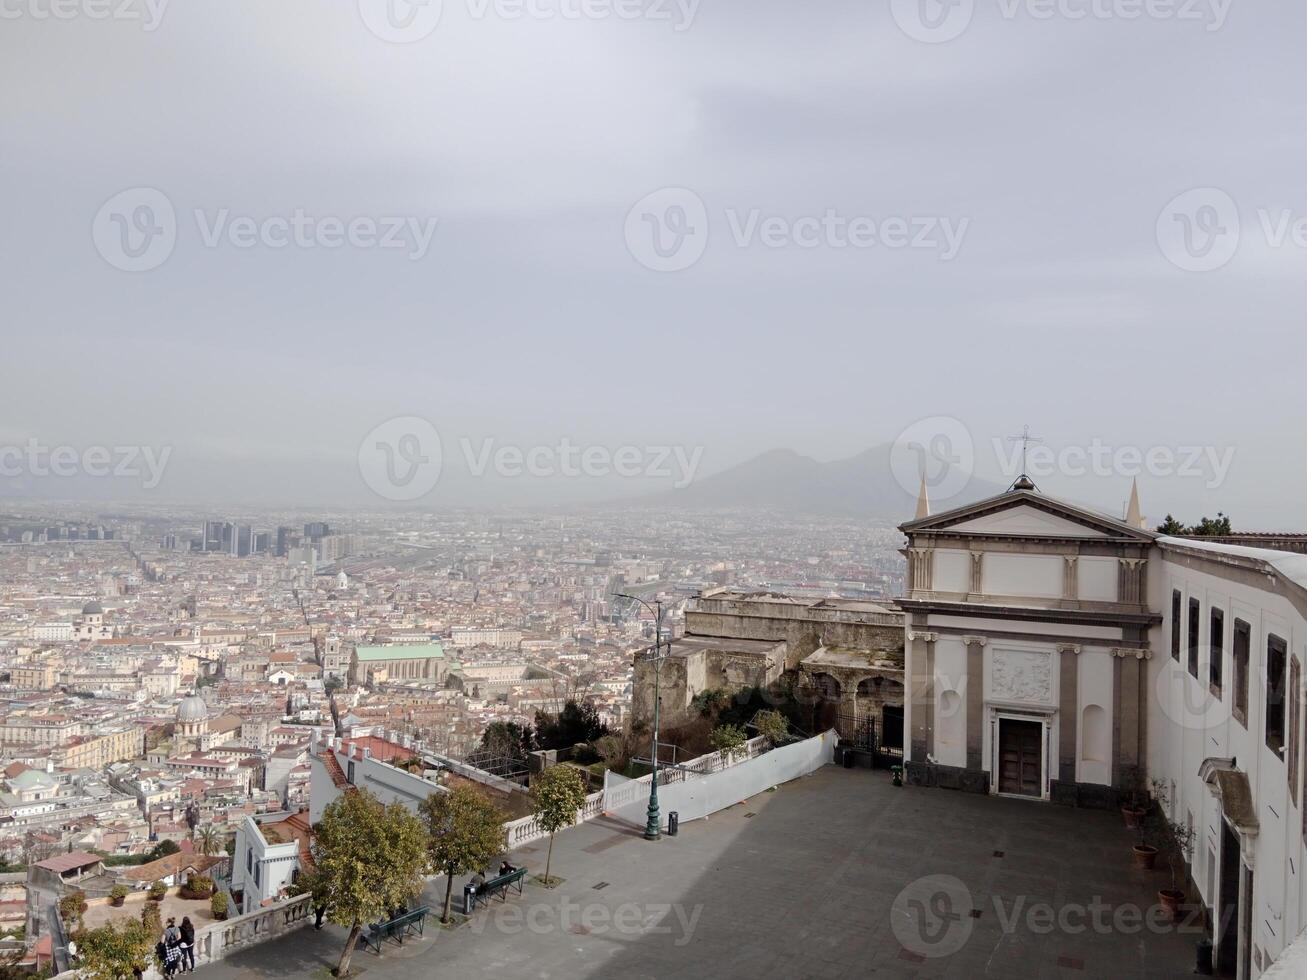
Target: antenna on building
{"points": [[1023, 482]]}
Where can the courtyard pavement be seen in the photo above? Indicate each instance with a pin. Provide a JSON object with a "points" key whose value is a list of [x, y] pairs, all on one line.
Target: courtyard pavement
{"points": [[838, 874]]}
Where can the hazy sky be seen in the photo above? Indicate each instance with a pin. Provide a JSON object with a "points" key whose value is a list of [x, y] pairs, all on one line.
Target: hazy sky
{"points": [[1033, 160]]}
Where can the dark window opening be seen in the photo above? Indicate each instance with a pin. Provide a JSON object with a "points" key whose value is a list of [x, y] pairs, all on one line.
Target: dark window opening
{"points": [[1195, 613], [1216, 646], [1276, 662], [1243, 643], [1176, 602]]}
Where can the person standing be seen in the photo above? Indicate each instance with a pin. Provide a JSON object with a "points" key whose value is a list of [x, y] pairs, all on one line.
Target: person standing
{"points": [[187, 944]]}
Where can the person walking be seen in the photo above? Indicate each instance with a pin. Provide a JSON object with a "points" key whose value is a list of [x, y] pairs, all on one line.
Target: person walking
{"points": [[187, 944]]}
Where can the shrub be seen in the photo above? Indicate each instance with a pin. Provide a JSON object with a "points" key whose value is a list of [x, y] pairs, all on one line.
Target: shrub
{"points": [[773, 726], [197, 886], [151, 919], [218, 905], [71, 907], [157, 890], [727, 738], [118, 894]]}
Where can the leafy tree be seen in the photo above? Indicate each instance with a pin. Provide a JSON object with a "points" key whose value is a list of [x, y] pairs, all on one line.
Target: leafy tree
{"points": [[218, 904], [1218, 526], [163, 849], [773, 726], [577, 722], [208, 840], [466, 832], [1212, 526], [509, 739], [114, 951], [311, 882], [727, 739], [371, 858], [557, 794]]}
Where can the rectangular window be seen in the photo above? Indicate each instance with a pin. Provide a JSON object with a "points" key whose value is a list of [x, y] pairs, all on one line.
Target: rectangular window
{"points": [[1216, 648], [1176, 603], [1276, 655], [1243, 644], [1195, 613], [1295, 678]]}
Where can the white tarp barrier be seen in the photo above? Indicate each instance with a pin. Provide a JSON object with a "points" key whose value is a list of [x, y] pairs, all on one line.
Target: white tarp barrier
{"points": [[696, 796]]}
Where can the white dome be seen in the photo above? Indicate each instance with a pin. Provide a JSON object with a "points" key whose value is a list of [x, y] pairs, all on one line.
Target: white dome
{"points": [[192, 709]]}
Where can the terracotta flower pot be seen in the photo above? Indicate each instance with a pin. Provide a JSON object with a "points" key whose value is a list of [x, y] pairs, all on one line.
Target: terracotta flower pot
{"points": [[1171, 899], [1133, 816], [1144, 856]]}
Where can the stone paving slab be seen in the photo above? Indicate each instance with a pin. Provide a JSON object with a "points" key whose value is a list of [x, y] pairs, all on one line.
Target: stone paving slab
{"points": [[812, 885]]}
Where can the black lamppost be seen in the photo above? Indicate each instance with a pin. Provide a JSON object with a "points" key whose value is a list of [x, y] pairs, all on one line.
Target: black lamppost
{"points": [[653, 824]]}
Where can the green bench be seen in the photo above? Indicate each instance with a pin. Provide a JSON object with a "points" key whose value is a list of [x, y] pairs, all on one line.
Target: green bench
{"points": [[499, 885], [397, 928]]}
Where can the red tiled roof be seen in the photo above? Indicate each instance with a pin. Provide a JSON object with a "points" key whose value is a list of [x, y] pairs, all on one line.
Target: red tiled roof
{"points": [[67, 862], [383, 750], [333, 769]]}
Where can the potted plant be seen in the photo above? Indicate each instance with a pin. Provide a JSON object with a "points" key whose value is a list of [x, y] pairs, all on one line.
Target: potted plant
{"points": [[218, 905], [1134, 804], [118, 895], [1181, 844], [1144, 850], [157, 890]]}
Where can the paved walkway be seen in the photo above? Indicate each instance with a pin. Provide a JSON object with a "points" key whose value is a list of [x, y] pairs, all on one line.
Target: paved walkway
{"points": [[838, 874]]}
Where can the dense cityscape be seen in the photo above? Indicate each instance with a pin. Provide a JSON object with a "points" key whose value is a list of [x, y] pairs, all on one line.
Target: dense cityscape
{"points": [[422, 626]]}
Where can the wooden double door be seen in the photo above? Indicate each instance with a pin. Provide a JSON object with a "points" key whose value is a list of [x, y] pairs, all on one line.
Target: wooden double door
{"points": [[1020, 757]]}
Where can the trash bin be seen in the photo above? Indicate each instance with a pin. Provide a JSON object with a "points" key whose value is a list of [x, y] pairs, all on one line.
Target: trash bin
{"points": [[1204, 965], [673, 823], [848, 758]]}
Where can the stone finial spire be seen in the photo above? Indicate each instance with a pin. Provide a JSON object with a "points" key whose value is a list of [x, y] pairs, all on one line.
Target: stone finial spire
{"points": [[923, 500], [1133, 516]]}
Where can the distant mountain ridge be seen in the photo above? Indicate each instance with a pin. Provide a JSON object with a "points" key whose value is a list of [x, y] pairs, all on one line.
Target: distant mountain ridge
{"points": [[861, 486]]}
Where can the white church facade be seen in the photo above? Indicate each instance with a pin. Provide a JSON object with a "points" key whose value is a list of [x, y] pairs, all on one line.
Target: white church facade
{"points": [[1061, 655]]}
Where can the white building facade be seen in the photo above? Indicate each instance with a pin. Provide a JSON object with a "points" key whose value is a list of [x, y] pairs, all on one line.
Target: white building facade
{"points": [[1060, 655]]}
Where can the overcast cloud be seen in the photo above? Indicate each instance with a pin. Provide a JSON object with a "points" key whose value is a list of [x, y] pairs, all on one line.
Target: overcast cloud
{"points": [[1036, 276]]}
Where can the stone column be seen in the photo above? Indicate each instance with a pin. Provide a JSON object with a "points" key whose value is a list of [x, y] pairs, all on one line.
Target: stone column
{"points": [[1070, 577], [1127, 730], [1068, 722], [975, 701], [977, 573], [922, 693]]}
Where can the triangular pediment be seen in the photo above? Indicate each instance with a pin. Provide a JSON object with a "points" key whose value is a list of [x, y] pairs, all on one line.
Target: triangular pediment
{"points": [[1027, 513]]}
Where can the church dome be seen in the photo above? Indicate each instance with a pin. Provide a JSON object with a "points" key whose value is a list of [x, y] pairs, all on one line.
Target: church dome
{"points": [[93, 608], [192, 709]]}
